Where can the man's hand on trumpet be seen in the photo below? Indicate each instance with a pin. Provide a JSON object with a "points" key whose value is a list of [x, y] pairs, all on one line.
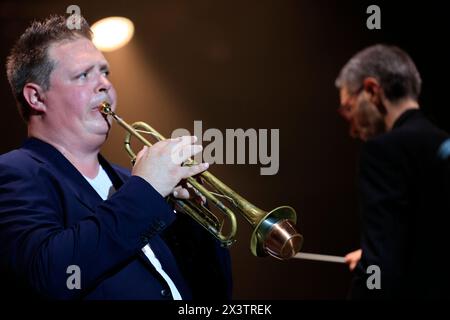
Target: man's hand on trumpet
{"points": [[164, 171]]}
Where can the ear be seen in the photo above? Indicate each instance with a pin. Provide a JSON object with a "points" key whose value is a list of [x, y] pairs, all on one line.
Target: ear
{"points": [[375, 93], [371, 86], [34, 95]]}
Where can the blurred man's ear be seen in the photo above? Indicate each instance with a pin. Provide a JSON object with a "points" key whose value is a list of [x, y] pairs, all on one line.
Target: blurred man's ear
{"points": [[34, 95], [375, 93], [371, 87]]}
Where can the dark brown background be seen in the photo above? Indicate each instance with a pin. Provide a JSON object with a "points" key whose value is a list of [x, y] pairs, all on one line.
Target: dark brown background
{"points": [[256, 64]]}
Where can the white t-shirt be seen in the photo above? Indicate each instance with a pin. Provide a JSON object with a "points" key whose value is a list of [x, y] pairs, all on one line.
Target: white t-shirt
{"points": [[104, 187]]}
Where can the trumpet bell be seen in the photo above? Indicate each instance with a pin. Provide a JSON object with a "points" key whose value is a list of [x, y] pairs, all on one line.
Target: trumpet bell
{"points": [[276, 235]]}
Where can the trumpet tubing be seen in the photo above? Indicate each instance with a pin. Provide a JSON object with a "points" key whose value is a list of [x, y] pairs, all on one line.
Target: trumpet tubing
{"points": [[273, 232]]}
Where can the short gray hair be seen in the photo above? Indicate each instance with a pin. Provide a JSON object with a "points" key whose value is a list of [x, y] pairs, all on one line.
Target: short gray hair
{"points": [[390, 65]]}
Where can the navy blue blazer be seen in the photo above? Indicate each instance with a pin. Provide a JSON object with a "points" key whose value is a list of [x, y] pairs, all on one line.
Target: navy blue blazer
{"points": [[51, 218]]}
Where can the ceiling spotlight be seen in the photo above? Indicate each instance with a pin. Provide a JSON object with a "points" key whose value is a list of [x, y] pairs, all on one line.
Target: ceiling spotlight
{"points": [[112, 33]]}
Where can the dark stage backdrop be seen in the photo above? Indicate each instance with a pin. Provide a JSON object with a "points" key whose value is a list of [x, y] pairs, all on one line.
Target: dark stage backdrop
{"points": [[265, 65]]}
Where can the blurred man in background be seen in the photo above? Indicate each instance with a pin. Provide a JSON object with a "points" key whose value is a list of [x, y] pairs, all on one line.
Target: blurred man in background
{"points": [[404, 213]]}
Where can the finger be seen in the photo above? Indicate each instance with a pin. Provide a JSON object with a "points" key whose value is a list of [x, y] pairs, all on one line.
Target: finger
{"points": [[169, 143], [194, 192], [177, 188], [193, 170], [184, 141], [181, 155], [188, 187], [189, 192], [142, 153], [173, 140], [349, 259], [353, 265], [181, 193]]}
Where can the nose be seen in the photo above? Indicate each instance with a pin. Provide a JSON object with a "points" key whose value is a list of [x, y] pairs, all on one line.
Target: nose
{"points": [[345, 112], [104, 85]]}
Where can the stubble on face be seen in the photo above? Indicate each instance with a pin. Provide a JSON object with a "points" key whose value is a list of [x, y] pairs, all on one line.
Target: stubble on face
{"points": [[367, 122]]}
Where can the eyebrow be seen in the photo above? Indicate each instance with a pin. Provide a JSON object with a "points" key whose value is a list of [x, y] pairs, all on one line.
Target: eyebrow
{"points": [[103, 67]]}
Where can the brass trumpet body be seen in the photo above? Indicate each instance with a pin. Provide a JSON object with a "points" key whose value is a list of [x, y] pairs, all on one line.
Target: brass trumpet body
{"points": [[273, 232]]}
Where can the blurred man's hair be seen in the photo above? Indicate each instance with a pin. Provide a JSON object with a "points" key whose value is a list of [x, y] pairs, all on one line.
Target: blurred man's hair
{"points": [[28, 60], [390, 65]]}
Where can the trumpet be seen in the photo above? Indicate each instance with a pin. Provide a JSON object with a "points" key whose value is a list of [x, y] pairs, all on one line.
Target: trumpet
{"points": [[273, 233]]}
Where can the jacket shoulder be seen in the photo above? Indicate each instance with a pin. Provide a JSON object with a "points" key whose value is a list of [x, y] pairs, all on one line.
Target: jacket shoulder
{"points": [[19, 161], [417, 136]]}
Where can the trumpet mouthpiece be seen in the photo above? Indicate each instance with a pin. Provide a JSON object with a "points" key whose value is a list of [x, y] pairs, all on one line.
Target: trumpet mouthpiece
{"points": [[105, 108]]}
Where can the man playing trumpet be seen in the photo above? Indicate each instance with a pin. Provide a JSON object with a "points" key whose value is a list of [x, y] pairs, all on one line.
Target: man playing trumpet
{"points": [[74, 226]]}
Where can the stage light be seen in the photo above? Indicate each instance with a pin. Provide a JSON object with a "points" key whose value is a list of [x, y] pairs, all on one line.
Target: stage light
{"points": [[112, 33]]}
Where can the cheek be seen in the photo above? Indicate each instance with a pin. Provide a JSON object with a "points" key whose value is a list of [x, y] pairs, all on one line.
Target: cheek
{"points": [[369, 120], [367, 113], [79, 97], [70, 98], [77, 104]]}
